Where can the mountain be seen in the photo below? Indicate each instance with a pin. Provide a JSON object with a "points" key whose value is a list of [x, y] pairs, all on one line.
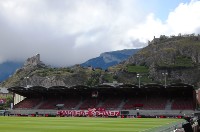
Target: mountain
{"points": [[35, 73], [104, 61], [178, 56], [108, 59], [8, 68], [166, 60]]}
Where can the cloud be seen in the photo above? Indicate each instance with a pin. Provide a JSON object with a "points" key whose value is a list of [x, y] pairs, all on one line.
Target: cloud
{"points": [[184, 19], [68, 32]]}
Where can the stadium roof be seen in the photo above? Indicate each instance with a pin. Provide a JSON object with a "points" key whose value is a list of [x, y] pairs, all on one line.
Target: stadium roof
{"points": [[39, 90]]}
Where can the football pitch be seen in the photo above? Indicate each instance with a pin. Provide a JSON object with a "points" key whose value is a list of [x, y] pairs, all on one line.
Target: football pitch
{"points": [[84, 124]]}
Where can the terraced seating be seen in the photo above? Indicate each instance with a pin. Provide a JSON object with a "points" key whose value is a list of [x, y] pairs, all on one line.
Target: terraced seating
{"points": [[182, 104], [112, 103], [27, 103], [147, 104], [89, 103]]}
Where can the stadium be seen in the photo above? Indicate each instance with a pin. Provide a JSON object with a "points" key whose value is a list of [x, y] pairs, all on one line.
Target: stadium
{"points": [[114, 100]]}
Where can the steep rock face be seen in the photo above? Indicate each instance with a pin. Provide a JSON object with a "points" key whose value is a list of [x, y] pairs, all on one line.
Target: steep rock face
{"points": [[52, 81], [8, 68], [179, 56], [35, 73], [167, 51], [21, 76], [33, 62]]}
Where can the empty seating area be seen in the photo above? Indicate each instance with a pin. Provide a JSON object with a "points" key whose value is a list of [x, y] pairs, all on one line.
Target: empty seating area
{"points": [[51, 103], [89, 103], [182, 104], [145, 103], [112, 103], [157, 103], [71, 103], [27, 103], [133, 103]]}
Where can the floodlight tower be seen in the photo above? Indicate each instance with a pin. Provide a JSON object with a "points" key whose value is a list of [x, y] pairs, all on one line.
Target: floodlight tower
{"points": [[165, 75], [26, 81], [139, 76]]}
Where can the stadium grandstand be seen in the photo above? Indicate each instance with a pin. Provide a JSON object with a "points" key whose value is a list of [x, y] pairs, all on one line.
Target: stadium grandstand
{"points": [[128, 99]]}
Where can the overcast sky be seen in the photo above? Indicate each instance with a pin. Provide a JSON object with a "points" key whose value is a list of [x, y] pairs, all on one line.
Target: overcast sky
{"points": [[67, 32]]}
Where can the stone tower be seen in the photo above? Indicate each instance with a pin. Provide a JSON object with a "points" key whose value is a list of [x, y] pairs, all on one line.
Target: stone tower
{"points": [[33, 61]]}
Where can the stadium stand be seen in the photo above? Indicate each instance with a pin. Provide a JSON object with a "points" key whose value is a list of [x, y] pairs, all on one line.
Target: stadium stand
{"points": [[131, 98], [28, 103], [112, 103], [71, 103], [50, 103], [146, 103], [53, 103], [183, 104], [89, 103]]}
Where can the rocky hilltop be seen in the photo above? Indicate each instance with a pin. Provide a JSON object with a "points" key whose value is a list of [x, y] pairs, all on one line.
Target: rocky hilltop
{"points": [[178, 56], [36, 73], [104, 61]]}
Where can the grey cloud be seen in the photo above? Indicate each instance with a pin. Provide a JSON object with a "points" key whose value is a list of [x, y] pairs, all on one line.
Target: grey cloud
{"points": [[68, 32], [58, 30]]}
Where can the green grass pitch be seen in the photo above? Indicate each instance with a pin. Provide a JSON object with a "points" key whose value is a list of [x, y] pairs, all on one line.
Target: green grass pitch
{"points": [[84, 124]]}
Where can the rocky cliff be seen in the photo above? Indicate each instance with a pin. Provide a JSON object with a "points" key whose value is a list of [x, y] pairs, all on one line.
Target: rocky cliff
{"points": [[35, 73], [179, 56]]}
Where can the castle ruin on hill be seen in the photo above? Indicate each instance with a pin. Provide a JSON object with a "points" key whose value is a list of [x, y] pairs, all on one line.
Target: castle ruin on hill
{"points": [[163, 38]]}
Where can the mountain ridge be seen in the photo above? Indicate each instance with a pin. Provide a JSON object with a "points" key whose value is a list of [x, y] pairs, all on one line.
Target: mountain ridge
{"points": [[166, 60], [108, 59], [8, 68]]}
